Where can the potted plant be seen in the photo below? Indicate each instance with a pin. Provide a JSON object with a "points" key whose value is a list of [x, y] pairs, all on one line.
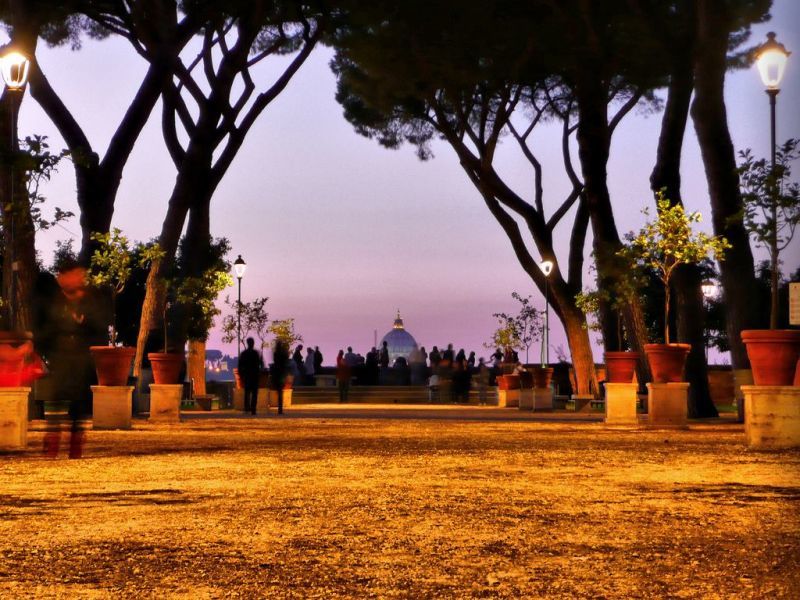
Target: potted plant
{"points": [[664, 244], [620, 363], [166, 365], [110, 268], [771, 214], [508, 337]]}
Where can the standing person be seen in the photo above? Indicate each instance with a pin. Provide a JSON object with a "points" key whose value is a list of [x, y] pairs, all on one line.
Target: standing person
{"points": [[309, 367], [342, 376], [371, 366], [72, 324], [448, 355], [280, 363], [350, 358], [471, 360], [297, 357], [250, 364], [317, 360], [483, 381], [435, 358], [383, 361]]}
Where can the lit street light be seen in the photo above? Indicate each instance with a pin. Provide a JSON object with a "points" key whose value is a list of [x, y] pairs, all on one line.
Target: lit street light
{"points": [[14, 67], [771, 62], [709, 289], [239, 267], [547, 267]]}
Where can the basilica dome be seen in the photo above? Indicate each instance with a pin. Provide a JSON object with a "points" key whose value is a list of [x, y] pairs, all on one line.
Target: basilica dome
{"points": [[399, 341]]}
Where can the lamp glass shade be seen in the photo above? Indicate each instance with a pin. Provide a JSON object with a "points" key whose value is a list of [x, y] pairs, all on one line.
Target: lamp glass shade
{"points": [[14, 67], [547, 267], [708, 288], [771, 62], [239, 267]]}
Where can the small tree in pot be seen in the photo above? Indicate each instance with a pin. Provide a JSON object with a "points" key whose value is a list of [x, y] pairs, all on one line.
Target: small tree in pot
{"points": [[110, 268], [664, 244], [771, 215]]}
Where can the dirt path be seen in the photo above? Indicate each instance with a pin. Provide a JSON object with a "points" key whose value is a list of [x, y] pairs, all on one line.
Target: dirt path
{"points": [[427, 508]]}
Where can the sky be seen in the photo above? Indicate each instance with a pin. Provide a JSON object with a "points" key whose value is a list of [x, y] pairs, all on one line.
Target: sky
{"points": [[341, 233]]}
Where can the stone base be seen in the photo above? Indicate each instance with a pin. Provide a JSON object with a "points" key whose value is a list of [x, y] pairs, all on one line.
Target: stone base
{"points": [[581, 402], [526, 399], [165, 403], [262, 400], [508, 398], [621, 404], [668, 405], [238, 399], [772, 416], [542, 399], [111, 406], [14, 417]]}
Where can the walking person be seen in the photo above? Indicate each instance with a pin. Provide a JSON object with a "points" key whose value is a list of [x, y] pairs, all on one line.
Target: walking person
{"points": [[342, 376], [72, 323], [280, 363], [250, 363]]}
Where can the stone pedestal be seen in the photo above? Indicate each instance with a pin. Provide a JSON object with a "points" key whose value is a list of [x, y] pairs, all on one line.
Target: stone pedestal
{"points": [[668, 405], [621, 404], [165, 403], [526, 400], [508, 398], [582, 402], [14, 417], [111, 406], [238, 399], [741, 377], [263, 400], [542, 399], [772, 416]]}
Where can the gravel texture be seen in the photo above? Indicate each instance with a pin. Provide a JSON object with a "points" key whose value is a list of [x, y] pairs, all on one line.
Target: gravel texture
{"points": [[416, 507]]}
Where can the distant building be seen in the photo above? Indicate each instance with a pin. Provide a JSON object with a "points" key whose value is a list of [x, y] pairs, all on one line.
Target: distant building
{"points": [[399, 341]]}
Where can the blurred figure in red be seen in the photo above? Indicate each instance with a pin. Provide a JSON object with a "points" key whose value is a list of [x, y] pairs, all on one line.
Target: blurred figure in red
{"points": [[71, 325], [342, 376]]}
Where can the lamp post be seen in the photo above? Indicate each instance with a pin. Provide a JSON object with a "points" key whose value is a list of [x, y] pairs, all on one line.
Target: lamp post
{"points": [[771, 62], [547, 267], [239, 267], [14, 67], [709, 289]]}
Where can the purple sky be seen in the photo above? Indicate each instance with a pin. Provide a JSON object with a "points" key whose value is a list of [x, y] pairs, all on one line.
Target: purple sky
{"points": [[340, 233]]}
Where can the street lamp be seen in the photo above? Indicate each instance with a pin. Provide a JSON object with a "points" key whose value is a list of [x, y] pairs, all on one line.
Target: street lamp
{"points": [[547, 267], [709, 289], [771, 62], [239, 267], [14, 67]]}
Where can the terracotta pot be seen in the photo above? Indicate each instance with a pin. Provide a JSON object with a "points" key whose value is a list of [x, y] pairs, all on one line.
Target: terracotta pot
{"points": [[773, 354], [542, 376], [667, 361], [797, 374], [16, 348], [620, 366], [166, 367], [112, 363], [526, 380], [508, 382]]}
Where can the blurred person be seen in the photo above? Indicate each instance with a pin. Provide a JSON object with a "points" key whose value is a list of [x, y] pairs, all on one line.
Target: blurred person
{"points": [[343, 372], [280, 365], [308, 367], [383, 360], [471, 360], [317, 360], [297, 358], [371, 367], [448, 354], [250, 363], [72, 323], [483, 381], [435, 358], [350, 358]]}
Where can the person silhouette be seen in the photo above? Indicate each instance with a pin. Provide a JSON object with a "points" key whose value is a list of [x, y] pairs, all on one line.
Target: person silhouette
{"points": [[280, 361], [250, 364]]}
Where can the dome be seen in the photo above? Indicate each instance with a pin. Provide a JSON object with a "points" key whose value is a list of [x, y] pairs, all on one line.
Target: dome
{"points": [[399, 341]]}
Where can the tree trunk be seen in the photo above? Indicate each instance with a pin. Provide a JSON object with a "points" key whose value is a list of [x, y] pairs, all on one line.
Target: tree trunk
{"points": [[196, 366], [594, 138], [580, 348], [710, 122]]}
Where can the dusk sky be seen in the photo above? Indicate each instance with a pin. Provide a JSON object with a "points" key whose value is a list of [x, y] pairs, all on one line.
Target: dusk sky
{"points": [[340, 233]]}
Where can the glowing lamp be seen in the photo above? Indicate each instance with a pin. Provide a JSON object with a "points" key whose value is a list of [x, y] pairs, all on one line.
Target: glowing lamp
{"points": [[239, 267], [771, 62], [14, 67], [547, 267]]}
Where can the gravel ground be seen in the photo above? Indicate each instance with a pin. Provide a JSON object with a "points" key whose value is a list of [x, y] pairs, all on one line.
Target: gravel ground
{"points": [[418, 507]]}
